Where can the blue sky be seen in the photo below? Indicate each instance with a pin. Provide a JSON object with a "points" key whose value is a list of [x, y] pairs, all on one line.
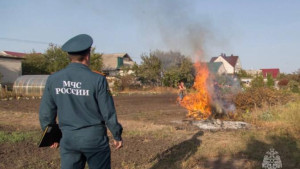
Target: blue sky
{"points": [[263, 33]]}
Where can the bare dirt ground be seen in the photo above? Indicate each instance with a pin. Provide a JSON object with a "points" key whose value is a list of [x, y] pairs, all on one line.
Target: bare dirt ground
{"points": [[147, 113], [151, 139]]}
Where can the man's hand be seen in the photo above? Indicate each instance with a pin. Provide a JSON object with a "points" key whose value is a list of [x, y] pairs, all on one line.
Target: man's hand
{"points": [[55, 145], [118, 144]]}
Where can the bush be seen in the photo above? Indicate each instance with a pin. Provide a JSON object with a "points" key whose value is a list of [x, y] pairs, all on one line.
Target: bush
{"points": [[258, 82], [257, 97], [34, 64], [294, 86], [126, 82], [270, 81], [129, 82], [283, 83], [117, 85]]}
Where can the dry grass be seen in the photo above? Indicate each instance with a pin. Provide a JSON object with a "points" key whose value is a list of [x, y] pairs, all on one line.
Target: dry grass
{"points": [[276, 126], [17, 119]]}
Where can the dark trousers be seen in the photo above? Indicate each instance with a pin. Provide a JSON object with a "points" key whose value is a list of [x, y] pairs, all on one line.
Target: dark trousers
{"points": [[76, 160], [87, 145]]}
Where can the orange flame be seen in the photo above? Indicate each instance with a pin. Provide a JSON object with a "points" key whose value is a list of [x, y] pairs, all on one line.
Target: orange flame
{"points": [[197, 103]]}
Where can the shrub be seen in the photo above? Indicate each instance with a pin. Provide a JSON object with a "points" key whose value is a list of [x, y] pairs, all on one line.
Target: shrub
{"points": [[258, 82], [126, 82], [129, 82], [294, 86], [283, 83], [257, 97], [270, 81]]}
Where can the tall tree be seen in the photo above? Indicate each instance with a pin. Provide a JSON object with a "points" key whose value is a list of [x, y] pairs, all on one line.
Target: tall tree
{"points": [[176, 73], [270, 81], [96, 61], [168, 59], [149, 72], [56, 58], [35, 63]]}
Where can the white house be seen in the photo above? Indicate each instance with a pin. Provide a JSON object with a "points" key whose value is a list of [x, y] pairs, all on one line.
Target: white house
{"points": [[10, 66], [216, 68], [231, 63]]}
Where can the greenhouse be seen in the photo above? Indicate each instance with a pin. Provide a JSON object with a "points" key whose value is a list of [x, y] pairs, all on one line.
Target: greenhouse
{"points": [[30, 85]]}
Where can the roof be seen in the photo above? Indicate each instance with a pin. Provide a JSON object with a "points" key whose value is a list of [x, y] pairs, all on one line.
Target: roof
{"points": [[274, 72], [232, 60], [110, 61], [16, 55], [213, 59], [214, 66]]}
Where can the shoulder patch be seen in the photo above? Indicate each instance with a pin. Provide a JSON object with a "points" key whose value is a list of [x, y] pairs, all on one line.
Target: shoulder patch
{"points": [[100, 73]]}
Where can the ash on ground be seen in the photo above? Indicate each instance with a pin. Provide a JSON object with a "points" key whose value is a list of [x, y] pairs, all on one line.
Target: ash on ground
{"points": [[216, 124]]}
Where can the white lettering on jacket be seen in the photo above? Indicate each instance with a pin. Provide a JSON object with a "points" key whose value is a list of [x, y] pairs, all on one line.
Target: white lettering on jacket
{"points": [[73, 88]]}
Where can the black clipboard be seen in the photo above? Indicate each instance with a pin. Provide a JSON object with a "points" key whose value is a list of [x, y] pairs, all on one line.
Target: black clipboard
{"points": [[51, 134]]}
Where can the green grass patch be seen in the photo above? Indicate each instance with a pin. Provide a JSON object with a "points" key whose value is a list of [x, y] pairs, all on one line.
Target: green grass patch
{"points": [[19, 136]]}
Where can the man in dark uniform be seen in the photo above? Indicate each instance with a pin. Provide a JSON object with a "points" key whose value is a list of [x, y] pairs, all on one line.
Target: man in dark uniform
{"points": [[84, 106]]}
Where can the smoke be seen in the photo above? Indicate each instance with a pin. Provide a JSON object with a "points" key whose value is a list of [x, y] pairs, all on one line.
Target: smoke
{"points": [[180, 27], [176, 25], [155, 24], [222, 89]]}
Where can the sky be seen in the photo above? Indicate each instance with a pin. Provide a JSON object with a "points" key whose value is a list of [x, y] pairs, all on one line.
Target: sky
{"points": [[263, 33]]}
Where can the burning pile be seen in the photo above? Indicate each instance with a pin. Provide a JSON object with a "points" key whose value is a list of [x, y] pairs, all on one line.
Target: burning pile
{"points": [[197, 103]]}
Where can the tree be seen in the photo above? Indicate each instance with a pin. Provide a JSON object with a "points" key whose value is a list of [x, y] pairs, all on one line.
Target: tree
{"points": [[56, 58], [187, 71], [168, 59], [257, 82], [183, 71], [171, 77], [167, 68], [149, 72], [297, 76], [96, 61], [34, 64], [270, 81], [243, 73], [175, 67]]}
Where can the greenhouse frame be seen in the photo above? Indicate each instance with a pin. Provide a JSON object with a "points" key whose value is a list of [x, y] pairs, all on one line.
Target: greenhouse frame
{"points": [[30, 85]]}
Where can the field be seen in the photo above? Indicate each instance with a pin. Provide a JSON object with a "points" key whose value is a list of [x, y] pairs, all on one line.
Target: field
{"points": [[153, 140]]}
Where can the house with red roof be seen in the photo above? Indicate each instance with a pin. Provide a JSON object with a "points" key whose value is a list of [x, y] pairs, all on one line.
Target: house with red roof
{"points": [[10, 66], [273, 72], [231, 63]]}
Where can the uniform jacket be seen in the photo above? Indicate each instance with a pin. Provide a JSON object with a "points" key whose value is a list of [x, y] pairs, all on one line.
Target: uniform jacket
{"points": [[81, 99]]}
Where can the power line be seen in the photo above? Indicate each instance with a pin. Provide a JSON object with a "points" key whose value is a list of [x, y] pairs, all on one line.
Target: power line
{"points": [[25, 41]]}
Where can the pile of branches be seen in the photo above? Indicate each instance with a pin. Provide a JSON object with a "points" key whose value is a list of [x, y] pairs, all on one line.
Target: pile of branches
{"points": [[258, 97]]}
